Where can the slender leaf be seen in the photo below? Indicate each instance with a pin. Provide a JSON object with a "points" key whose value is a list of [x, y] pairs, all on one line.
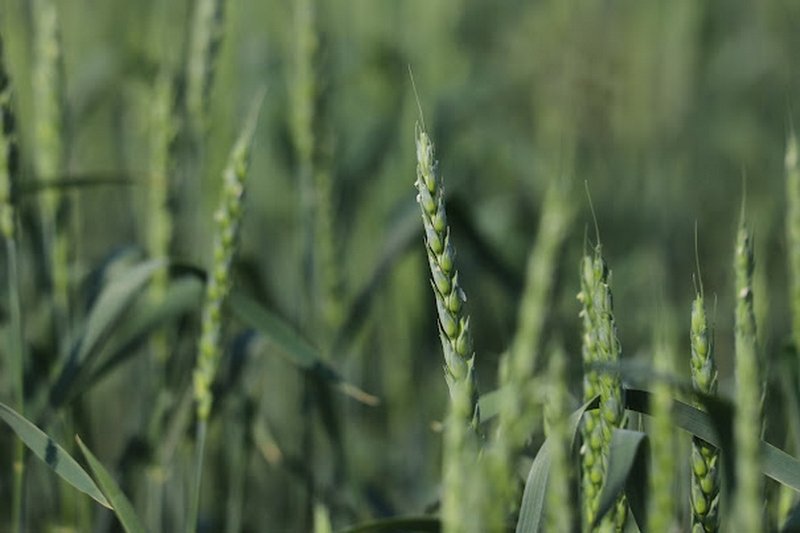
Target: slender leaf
{"points": [[776, 463], [627, 455], [119, 502], [397, 524], [182, 296], [299, 351], [53, 455], [116, 298], [531, 512]]}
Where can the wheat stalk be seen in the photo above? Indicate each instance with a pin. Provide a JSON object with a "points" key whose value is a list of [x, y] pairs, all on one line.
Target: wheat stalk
{"points": [[463, 419], [520, 411], [49, 154], [227, 218], [747, 423], [9, 168], [793, 231], [559, 505], [206, 37], [661, 516]]}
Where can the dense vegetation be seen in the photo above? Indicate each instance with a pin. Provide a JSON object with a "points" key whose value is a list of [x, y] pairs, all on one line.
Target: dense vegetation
{"points": [[230, 232]]}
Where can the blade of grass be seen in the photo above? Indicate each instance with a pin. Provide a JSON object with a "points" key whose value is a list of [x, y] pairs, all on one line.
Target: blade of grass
{"points": [[628, 453], [115, 299], [299, 351], [53, 455], [120, 503], [531, 511]]}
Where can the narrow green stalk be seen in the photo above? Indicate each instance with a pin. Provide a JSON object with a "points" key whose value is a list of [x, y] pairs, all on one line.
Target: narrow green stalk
{"points": [[206, 37], [560, 510], [793, 232], [9, 160], [787, 495], [463, 419], [162, 131], [747, 424], [600, 344], [661, 516], [705, 458], [228, 218], [520, 410], [49, 153]]}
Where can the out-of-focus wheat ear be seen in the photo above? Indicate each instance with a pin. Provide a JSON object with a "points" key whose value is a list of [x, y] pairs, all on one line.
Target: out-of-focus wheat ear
{"points": [[560, 510], [49, 154], [661, 515], [747, 423], [520, 410], [206, 37], [9, 176], [162, 128], [227, 220]]}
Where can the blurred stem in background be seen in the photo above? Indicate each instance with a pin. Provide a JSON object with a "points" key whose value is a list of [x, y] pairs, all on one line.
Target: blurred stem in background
{"points": [[15, 342], [49, 154]]}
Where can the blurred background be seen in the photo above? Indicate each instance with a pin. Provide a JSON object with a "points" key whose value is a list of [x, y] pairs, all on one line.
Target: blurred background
{"points": [[668, 110]]}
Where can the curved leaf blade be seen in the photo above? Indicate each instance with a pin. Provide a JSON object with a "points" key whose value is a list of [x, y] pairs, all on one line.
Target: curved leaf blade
{"points": [[121, 505], [116, 298], [627, 459], [775, 463], [45, 448], [299, 351], [531, 511]]}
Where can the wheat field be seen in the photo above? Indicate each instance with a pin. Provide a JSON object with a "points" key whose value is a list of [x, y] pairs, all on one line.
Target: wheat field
{"points": [[399, 266]]}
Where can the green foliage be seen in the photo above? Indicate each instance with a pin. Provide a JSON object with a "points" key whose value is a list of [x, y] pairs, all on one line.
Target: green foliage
{"points": [[114, 137]]}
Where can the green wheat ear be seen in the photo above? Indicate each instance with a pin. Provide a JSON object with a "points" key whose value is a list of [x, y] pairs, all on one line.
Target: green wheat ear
{"points": [[600, 345], [227, 218], [704, 496], [454, 329], [462, 487]]}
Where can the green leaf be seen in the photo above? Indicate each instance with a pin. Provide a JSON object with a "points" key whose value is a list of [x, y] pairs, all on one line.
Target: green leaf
{"points": [[116, 298], [397, 524], [120, 503], [627, 456], [299, 351], [46, 449], [531, 511], [183, 295], [775, 463]]}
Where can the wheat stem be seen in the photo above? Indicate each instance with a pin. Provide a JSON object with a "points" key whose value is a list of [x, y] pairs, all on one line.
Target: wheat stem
{"points": [[9, 161], [747, 424], [228, 219]]}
